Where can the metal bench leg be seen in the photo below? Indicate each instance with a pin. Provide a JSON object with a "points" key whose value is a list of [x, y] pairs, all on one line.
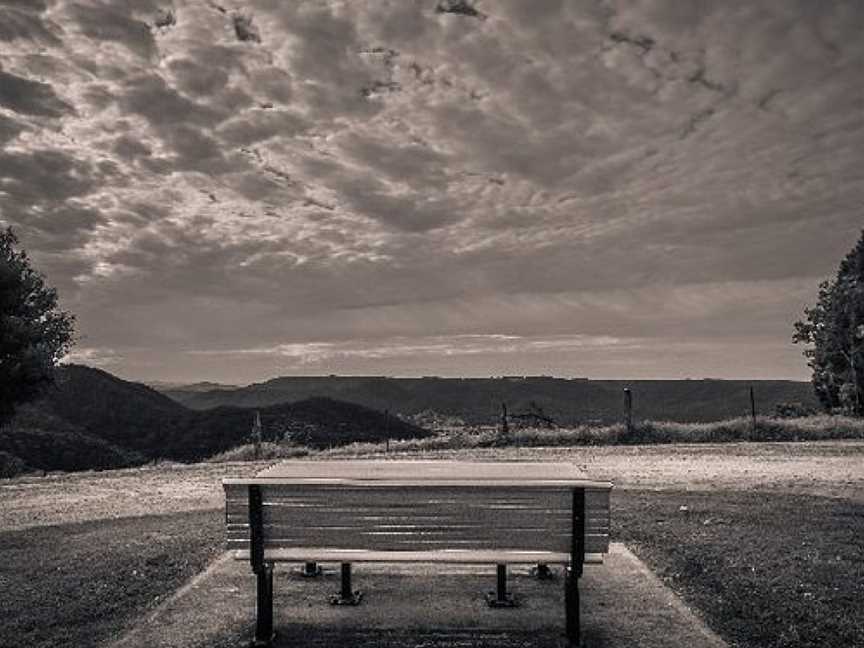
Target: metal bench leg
{"points": [[346, 595], [311, 570], [571, 601], [542, 572], [574, 571], [264, 625], [501, 598]]}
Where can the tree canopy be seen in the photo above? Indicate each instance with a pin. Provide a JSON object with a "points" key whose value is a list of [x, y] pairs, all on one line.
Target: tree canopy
{"points": [[833, 329], [34, 332]]}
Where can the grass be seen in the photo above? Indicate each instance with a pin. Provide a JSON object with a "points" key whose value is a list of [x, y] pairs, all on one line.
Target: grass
{"points": [[83, 584], [265, 450], [809, 428], [765, 571]]}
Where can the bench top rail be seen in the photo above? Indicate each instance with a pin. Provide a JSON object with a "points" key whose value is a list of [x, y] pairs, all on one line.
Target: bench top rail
{"points": [[524, 474]]}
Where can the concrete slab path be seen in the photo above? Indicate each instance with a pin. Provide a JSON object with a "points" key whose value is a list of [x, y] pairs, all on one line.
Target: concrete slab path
{"points": [[623, 604]]}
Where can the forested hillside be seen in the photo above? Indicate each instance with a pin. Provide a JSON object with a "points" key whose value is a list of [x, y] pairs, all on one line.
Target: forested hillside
{"points": [[478, 400], [91, 419]]}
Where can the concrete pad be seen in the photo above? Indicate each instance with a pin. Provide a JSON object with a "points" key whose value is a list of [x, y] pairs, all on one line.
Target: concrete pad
{"points": [[623, 604]]}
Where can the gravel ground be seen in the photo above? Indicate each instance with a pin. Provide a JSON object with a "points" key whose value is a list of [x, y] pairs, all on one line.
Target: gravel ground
{"points": [[828, 468]]}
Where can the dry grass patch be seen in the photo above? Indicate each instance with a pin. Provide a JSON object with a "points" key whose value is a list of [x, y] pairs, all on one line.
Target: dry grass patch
{"points": [[82, 584], [808, 428], [765, 571]]}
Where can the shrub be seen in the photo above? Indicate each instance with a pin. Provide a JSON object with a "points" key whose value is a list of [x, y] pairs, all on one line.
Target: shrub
{"points": [[11, 466], [793, 410], [267, 450]]}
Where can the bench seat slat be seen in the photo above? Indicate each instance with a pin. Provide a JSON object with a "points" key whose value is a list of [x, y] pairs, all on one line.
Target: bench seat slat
{"points": [[560, 507], [240, 532], [443, 556], [239, 513], [594, 543]]}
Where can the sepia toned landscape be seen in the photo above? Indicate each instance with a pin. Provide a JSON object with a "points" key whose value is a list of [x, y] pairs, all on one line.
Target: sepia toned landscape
{"points": [[431, 324]]}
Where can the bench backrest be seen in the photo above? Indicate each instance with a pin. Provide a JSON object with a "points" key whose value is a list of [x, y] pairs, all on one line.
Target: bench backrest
{"points": [[415, 518]]}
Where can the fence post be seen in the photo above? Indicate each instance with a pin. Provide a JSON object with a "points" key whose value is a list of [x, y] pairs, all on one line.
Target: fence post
{"points": [[387, 431], [256, 434], [753, 407], [628, 409], [505, 428]]}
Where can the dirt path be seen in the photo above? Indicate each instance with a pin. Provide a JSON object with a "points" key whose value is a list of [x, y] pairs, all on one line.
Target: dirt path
{"points": [[831, 468], [75, 497], [828, 468]]}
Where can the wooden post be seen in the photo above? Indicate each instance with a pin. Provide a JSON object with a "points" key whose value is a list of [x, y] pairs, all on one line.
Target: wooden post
{"points": [[256, 434], [628, 409], [505, 428], [753, 407]]}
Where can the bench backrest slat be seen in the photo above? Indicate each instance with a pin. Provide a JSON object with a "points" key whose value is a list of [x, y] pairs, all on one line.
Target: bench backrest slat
{"points": [[417, 518]]}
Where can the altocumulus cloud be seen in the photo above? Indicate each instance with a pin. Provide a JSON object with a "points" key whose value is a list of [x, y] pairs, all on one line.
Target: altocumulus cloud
{"points": [[616, 188]]}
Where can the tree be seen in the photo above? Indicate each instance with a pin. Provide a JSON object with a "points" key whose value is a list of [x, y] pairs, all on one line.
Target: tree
{"points": [[34, 332], [834, 329]]}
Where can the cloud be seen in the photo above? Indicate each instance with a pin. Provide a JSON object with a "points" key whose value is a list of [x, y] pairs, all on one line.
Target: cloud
{"points": [[23, 22], [94, 357], [30, 97], [115, 23], [378, 176], [311, 353]]}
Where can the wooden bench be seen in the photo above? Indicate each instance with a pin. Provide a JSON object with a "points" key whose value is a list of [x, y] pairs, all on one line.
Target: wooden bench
{"points": [[417, 511]]}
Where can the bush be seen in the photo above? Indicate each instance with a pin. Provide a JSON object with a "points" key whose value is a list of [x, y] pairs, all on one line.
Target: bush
{"points": [[11, 466], [793, 410], [267, 450], [809, 428]]}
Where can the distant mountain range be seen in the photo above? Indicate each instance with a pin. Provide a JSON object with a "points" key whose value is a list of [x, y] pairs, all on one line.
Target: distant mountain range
{"points": [[204, 385], [91, 419], [478, 400]]}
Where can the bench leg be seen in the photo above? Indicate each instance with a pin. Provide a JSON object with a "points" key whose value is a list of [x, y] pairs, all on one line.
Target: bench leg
{"points": [[264, 624], [346, 595], [571, 603], [501, 597], [542, 572], [311, 570]]}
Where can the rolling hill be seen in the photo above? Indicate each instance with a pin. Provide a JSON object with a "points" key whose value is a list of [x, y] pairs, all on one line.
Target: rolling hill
{"points": [[478, 400], [91, 419]]}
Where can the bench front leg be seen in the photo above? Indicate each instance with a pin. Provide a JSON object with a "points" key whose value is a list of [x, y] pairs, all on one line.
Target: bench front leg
{"points": [[264, 633], [577, 561], [571, 606], [263, 570]]}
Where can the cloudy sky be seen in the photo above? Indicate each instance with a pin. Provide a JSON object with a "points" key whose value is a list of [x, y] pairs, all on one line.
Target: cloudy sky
{"points": [[233, 190]]}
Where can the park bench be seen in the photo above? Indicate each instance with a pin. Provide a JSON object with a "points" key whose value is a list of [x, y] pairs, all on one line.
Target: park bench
{"points": [[417, 511]]}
